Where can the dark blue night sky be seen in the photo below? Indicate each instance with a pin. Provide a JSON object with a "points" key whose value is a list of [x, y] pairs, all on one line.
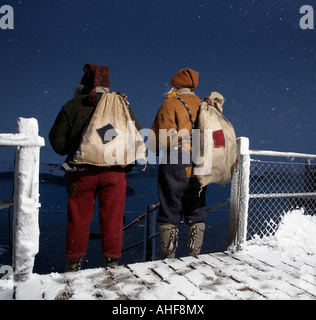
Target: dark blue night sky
{"points": [[253, 52]]}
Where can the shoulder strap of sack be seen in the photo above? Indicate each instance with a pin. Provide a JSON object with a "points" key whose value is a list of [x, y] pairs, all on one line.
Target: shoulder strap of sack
{"points": [[124, 97], [189, 111], [191, 119]]}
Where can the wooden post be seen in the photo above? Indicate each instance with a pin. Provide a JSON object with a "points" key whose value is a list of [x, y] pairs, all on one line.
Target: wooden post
{"points": [[240, 197], [26, 200], [149, 234], [243, 193], [233, 218]]}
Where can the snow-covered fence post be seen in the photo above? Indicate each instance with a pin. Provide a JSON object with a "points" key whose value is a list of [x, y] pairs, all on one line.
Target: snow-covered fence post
{"points": [[26, 198], [233, 218], [240, 197]]}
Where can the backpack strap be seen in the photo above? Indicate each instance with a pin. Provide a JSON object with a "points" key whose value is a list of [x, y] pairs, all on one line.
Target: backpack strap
{"points": [[124, 97], [189, 111], [191, 119]]}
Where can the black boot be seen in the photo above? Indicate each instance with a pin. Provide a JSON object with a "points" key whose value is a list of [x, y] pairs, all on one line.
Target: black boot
{"points": [[110, 263], [74, 266]]}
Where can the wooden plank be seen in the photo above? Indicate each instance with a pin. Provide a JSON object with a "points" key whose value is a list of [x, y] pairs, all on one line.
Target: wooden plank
{"points": [[268, 281], [144, 271], [219, 276], [281, 278], [262, 278], [156, 278], [292, 275], [229, 284], [281, 262]]}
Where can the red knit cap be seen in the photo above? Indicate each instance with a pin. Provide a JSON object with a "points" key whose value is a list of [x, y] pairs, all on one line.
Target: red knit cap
{"points": [[186, 78], [96, 76]]}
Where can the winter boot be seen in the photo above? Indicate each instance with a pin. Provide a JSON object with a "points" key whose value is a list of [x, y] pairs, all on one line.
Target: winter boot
{"points": [[74, 266], [196, 235], [110, 263], [169, 240]]}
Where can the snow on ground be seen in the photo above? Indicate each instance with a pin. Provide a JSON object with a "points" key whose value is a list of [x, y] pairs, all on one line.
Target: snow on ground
{"points": [[227, 274], [295, 238]]}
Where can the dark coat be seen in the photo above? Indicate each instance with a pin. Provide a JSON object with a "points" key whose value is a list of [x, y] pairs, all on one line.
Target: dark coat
{"points": [[66, 133]]}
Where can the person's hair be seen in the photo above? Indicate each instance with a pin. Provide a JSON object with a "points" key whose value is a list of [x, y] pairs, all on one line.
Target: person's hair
{"points": [[174, 89], [81, 89], [171, 89]]}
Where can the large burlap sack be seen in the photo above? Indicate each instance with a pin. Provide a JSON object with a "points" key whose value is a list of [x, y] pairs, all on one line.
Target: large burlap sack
{"points": [[218, 152], [111, 138]]}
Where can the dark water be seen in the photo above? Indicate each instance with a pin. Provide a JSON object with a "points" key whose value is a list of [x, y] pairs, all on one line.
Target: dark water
{"points": [[53, 218]]}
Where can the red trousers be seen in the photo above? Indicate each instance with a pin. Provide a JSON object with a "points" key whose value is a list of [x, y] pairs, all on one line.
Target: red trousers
{"points": [[110, 188]]}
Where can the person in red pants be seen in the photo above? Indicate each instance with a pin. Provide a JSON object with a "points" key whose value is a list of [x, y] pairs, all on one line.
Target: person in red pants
{"points": [[86, 182], [110, 188]]}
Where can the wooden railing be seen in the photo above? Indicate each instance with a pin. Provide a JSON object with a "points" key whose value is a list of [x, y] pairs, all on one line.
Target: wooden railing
{"points": [[26, 195]]}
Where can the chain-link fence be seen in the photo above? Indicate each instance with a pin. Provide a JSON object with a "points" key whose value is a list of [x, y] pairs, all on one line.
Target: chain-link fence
{"points": [[275, 188], [264, 190]]}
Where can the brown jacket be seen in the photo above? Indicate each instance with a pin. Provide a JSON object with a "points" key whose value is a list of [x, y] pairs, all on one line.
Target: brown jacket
{"points": [[172, 115]]}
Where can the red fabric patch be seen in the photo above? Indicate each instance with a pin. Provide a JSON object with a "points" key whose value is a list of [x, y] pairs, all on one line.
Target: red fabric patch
{"points": [[219, 139]]}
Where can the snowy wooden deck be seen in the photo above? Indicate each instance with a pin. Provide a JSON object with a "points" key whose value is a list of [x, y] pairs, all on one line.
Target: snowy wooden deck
{"points": [[251, 275]]}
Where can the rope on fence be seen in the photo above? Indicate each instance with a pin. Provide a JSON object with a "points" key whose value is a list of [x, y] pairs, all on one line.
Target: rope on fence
{"points": [[135, 221], [6, 204], [218, 205]]}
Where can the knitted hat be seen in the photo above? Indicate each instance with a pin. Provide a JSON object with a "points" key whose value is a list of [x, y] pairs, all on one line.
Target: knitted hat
{"points": [[96, 76], [186, 78]]}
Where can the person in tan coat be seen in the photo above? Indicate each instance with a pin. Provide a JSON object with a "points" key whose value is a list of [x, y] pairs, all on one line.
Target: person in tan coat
{"points": [[179, 193]]}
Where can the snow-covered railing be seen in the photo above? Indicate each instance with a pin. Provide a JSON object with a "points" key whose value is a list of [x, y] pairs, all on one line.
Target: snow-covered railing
{"points": [[26, 195], [263, 191]]}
